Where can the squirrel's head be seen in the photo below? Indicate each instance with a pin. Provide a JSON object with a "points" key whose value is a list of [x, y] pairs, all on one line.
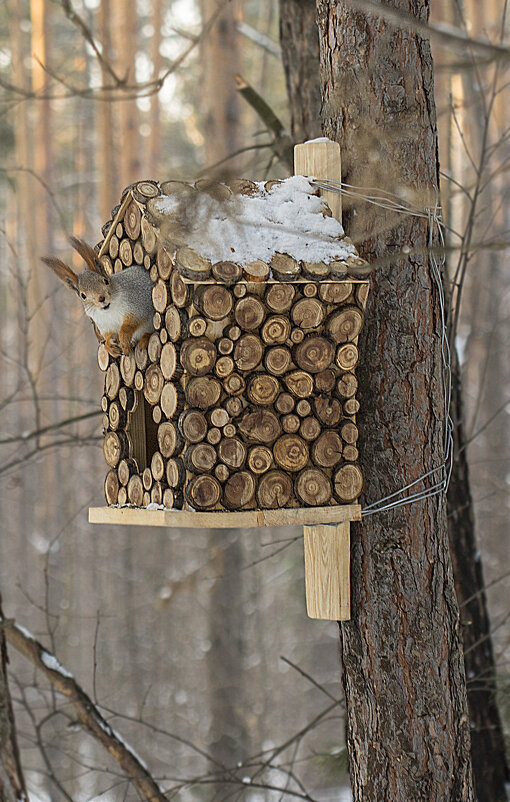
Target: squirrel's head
{"points": [[93, 284], [95, 290]]}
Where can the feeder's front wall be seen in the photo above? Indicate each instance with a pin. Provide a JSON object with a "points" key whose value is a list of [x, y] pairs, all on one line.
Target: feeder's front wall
{"points": [[245, 397]]}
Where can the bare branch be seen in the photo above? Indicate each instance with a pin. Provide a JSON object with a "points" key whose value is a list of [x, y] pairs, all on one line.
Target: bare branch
{"points": [[50, 428], [12, 782], [282, 144], [87, 712], [259, 38], [79, 23]]}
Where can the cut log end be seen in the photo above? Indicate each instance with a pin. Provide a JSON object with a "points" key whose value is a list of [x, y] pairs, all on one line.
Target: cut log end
{"points": [[203, 492], [274, 490], [348, 483], [313, 487], [239, 490]]}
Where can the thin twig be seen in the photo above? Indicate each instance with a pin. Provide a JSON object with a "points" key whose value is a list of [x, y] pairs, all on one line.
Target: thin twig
{"points": [[87, 712]]}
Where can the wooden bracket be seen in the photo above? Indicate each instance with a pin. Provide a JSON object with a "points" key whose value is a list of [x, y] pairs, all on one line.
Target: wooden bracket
{"points": [[320, 158], [327, 571]]}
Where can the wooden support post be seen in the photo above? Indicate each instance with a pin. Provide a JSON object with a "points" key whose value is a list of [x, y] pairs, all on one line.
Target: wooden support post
{"points": [[327, 571], [320, 158]]}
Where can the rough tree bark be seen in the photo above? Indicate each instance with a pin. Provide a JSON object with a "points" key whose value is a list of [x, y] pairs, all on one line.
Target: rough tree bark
{"points": [[487, 741], [407, 722], [299, 40]]}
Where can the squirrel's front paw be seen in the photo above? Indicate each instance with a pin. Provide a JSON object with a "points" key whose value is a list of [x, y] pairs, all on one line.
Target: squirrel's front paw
{"points": [[112, 346], [125, 344], [144, 340]]}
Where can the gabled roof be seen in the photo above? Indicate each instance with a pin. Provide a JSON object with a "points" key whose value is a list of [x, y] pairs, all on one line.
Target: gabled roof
{"points": [[243, 230]]}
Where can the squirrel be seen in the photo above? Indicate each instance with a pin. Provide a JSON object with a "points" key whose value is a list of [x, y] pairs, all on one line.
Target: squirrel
{"points": [[119, 305]]}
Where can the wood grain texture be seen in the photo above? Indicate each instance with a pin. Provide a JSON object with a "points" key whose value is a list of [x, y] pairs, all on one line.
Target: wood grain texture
{"points": [[224, 520], [327, 572], [322, 160]]}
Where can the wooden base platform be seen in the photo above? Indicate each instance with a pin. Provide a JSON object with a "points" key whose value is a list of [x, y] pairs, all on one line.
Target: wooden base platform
{"points": [[301, 516], [326, 543]]}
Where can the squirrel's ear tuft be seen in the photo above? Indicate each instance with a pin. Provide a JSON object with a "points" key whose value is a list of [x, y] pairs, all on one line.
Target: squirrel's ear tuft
{"points": [[88, 254], [63, 271]]}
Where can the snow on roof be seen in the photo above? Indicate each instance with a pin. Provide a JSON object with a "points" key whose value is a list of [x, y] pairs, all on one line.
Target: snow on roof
{"points": [[287, 217]]}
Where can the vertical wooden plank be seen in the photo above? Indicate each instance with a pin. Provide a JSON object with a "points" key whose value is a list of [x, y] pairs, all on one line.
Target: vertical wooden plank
{"points": [[321, 158], [327, 571]]}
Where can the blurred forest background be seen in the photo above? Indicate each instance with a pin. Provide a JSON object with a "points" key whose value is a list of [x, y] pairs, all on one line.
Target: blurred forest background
{"points": [[195, 645]]}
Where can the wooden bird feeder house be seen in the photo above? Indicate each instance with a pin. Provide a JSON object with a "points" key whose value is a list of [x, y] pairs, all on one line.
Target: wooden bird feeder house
{"points": [[242, 410]]}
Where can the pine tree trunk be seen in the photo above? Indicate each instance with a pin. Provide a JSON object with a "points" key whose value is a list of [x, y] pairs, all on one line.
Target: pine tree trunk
{"points": [[228, 735], [219, 53], [109, 186], [40, 14], [124, 31], [155, 167], [300, 54], [41, 145], [489, 762], [490, 768], [407, 722]]}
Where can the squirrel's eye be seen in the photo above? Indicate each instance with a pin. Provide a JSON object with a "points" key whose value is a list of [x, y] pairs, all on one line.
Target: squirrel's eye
{"points": [[106, 282], [83, 295]]}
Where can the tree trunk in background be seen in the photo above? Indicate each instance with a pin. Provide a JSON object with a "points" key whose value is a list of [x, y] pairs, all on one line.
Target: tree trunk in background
{"points": [[12, 782], [407, 722], [488, 756], [264, 22], [41, 297], [124, 31], [154, 166], [299, 40], [25, 237], [40, 12], [41, 222], [109, 185], [484, 311], [219, 63], [228, 739], [219, 52]]}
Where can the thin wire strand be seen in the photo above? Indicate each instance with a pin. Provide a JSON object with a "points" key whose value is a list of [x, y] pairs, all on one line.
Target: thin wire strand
{"points": [[437, 486]]}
